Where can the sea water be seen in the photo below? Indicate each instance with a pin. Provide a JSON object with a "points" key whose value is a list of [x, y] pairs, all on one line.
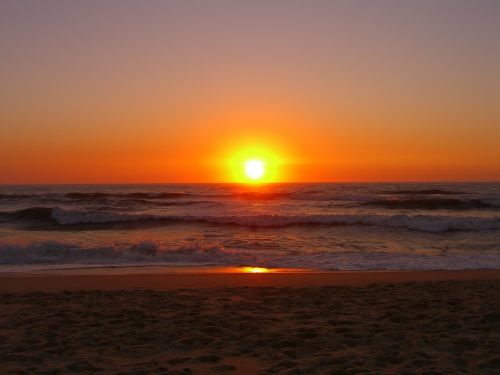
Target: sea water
{"points": [[329, 226]]}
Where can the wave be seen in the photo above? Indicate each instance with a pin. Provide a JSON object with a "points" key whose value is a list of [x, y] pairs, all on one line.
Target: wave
{"points": [[186, 203], [423, 223], [250, 195], [429, 204], [16, 196], [422, 192], [144, 252], [430, 198], [29, 214], [330, 196], [136, 195], [144, 197], [62, 218], [52, 253], [174, 203], [257, 195]]}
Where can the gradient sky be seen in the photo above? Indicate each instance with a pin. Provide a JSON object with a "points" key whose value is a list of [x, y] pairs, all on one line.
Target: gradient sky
{"points": [[169, 91]]}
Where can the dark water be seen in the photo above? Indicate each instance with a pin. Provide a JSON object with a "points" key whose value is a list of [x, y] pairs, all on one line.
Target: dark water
{"points": [[322, 226]]}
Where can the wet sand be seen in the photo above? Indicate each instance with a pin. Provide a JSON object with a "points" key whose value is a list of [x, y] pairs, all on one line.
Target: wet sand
{"points": [[345, 323], [156, 279]]}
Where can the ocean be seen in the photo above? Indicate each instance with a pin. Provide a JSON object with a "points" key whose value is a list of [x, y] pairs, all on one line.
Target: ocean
{"points": [[317, 226]]}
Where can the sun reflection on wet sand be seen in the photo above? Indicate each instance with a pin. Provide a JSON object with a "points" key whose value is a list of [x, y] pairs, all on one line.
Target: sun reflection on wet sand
{"points": [[255, 270]]}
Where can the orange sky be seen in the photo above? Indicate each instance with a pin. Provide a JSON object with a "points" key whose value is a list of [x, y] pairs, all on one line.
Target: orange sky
{"points": [[170, 92]]}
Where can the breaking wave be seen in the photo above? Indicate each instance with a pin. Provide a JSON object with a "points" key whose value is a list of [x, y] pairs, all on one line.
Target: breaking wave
{"points": [[59, 217]]}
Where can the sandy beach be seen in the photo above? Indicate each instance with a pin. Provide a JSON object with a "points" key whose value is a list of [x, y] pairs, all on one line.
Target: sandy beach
{"points": [[323, 323], [249, 187]]}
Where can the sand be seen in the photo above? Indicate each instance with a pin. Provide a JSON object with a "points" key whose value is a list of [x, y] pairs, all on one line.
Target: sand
{"points": [[440, 324], [155, 279]]}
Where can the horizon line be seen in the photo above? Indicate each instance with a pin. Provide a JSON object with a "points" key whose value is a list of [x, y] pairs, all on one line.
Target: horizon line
{"points": [[251, 184]]}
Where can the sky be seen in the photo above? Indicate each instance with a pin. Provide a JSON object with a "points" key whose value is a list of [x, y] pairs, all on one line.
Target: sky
{"points": [[124, 91]]}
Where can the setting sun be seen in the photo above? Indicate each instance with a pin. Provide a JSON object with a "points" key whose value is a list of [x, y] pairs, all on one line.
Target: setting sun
{"points": [[250, 187], [255, 169], [259, 164]]}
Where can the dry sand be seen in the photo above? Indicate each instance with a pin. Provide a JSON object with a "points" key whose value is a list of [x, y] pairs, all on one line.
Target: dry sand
{"points": [[355, 327]]}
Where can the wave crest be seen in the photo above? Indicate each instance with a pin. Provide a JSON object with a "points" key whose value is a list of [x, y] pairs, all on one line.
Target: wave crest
{"points": [[59, 217], [424, 223]]}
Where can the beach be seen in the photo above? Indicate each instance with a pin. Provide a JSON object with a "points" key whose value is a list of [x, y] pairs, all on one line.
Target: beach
{"points": [[269, 323], [250, 187], [279, 279]]}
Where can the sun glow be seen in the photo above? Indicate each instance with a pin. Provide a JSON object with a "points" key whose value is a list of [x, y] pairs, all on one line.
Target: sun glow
{"points": [[255, 165]]}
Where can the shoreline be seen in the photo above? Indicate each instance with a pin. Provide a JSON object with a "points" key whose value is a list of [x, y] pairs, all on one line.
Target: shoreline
{"points": [[61, 281]]}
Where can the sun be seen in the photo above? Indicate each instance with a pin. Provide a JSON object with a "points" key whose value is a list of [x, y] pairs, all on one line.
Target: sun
{"points": [[255, 169], [255, 165]]}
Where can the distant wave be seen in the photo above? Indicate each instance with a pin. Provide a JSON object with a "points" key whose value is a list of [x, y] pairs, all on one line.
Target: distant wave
{"points": [[245, 195], [257, 195], [155, 198], [137, 195], [16, 196], [329, 196], [173, 203], [52, 254], [59, 217], [422, 192], [175, 195], [429, 203], [402, 198], [28, 214]]}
